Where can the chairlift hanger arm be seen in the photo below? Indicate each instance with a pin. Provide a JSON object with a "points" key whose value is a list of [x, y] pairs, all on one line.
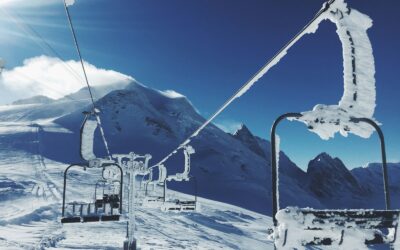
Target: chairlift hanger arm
{"points": [[184, 176]]}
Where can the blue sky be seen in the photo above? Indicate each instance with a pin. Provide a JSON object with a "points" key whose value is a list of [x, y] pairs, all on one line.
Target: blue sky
{"points": [[207, 49]]}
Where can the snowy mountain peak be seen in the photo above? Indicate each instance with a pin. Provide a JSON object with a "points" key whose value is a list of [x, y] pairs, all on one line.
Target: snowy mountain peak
{"points": [[172, 94], [155, 93], [243, 130], [244, 135], [329, 176], [39, 99], [97, 91], [326, 161]]}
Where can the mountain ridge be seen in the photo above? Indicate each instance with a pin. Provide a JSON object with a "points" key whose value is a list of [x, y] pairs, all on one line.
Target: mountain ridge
{"points": [[38, 99]]}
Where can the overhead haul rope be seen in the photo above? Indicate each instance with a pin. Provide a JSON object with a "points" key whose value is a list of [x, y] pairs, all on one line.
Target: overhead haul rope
{"points": [[32, 32], [86, 79], [279, 55]]}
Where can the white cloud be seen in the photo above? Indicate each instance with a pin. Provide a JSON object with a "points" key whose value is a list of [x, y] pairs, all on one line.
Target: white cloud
{"points": [[26, 3], [228, 126], [54, 78], [172, 94], [69, 2]]}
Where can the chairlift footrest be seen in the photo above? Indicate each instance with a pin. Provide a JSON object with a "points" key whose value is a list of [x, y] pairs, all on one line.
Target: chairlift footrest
{"points": [[91, 218], [114, 217], [71, 220], [328, 227]]}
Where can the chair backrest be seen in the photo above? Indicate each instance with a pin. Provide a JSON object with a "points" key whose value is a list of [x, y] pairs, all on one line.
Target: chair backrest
{"points": [[187, 151]]}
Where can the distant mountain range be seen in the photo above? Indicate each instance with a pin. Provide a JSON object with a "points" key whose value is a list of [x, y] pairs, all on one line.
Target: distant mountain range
{"points": [[233, 168]]}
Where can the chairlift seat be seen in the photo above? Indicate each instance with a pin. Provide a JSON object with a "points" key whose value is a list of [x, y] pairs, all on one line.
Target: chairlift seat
{"points": [[328, 227], [91, 218], [178, 205]]}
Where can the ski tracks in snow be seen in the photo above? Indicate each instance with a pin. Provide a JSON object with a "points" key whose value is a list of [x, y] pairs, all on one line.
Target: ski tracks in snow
{"points": [[46, 186], [29, 210]]}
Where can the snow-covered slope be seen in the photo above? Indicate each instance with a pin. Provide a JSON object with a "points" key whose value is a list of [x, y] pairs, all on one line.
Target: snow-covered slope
{"points": [[97, 91], [370, 177], [30, 188]]}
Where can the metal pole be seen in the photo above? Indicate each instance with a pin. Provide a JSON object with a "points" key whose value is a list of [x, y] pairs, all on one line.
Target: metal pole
{"points": [[65, 185], [195, 192], [165, 190], [274, 167], [131, 226], [383, 152]]}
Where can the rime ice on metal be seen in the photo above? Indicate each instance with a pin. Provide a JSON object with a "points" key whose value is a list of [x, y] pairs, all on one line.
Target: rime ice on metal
{"points": [[359, 95]]}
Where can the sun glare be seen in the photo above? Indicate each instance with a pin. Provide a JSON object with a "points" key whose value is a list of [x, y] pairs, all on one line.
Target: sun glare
{"points": [[7, 2]]}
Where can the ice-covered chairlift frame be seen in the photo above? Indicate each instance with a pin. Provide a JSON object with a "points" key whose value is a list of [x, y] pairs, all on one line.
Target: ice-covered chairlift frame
{"points": [[359, 96], [163, 178], [389, 218], [178, 205], [137, 163], [184, 176], [100, 217], [87, 131], [162, 170]]}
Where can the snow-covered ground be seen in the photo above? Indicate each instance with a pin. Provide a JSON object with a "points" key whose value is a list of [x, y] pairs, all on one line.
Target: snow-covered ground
{"points": [[30, 210]]}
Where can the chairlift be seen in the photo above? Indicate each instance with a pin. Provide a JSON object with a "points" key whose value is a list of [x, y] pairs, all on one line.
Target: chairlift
{"points": [[153, 197], [107, 207], [177, 204], [329, 226], [180, 205], [156, 199]]}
